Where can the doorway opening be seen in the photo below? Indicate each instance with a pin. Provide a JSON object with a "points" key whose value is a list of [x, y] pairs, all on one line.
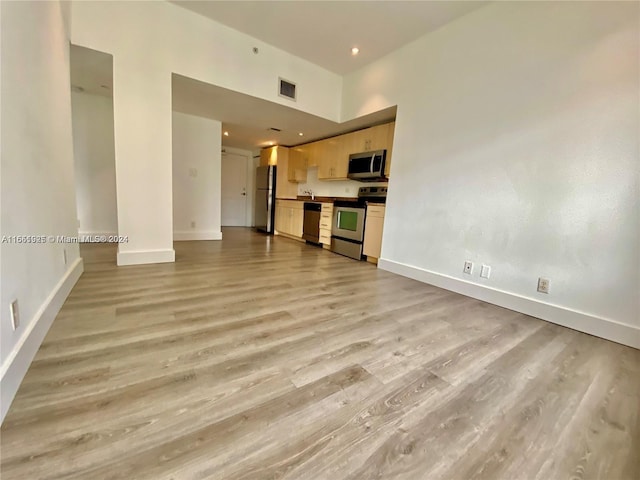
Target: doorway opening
{"points": [[237, 188], [91, 74]]}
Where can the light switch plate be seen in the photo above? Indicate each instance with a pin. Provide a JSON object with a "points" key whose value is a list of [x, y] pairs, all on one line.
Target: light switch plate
{"points": [[485, 271]]}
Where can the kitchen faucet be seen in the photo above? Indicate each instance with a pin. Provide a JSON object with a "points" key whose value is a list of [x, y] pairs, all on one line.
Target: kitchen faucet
{"points": [[310, 192]]}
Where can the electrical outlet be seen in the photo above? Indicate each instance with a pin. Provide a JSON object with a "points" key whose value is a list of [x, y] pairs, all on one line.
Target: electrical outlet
{"points": [[485, 271], [193, 224], [468, 267], [543, 285], [15, 314]]}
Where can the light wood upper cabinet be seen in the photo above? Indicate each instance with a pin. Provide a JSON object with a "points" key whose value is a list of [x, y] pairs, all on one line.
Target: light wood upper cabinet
{"points": [[297, 169], [269, 156], [279, 156], [328, 159], [284, 188], [331, 155], [372, 138], [313, 153]]}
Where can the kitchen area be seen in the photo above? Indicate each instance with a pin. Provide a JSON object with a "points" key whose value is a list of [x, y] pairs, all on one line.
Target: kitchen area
{"points": [[330, 193]]}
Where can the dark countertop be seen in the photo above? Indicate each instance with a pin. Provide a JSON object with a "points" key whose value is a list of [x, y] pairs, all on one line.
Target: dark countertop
{"points": [[307, 198]]}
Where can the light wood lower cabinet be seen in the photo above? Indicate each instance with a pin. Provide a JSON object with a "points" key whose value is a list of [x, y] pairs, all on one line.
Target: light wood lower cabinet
{"points": [[289, 217], [326, 220], [373, 231]]}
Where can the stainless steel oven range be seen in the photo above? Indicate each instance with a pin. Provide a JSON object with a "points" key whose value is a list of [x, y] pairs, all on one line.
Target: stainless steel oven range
{"points": [[347, 231]]}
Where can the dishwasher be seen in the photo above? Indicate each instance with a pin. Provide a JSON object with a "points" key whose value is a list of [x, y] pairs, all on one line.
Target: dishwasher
{"points": [[311, 224]]}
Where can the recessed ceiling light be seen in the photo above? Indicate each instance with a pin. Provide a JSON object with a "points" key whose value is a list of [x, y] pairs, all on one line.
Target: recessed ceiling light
{"points": [[270, 143], [355, 51], [301, 134], [226, 134]]}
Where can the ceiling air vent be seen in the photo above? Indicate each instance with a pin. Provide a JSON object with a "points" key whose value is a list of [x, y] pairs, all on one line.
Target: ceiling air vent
{"points": [[287, 89]]}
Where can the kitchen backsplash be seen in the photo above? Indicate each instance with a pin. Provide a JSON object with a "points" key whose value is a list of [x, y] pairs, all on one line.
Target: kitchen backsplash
{"points": [[331, 188]]}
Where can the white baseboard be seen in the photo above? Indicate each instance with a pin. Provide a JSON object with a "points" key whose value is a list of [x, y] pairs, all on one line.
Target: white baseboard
{"points": [[142, 257], [581, 321], [197, 235], [17, 363]]}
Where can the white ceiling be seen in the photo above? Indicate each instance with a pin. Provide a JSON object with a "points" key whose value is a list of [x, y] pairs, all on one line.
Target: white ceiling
{"points": [[323, 32], [91, 71]]}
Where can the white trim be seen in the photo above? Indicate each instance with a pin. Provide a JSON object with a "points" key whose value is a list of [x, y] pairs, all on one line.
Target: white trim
{"points": [[142, 257], [197, 235], [600, 327], [17, 363]]}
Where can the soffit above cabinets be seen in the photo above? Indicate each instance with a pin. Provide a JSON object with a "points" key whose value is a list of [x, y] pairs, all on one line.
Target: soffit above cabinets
{"points": [[253, 122]]}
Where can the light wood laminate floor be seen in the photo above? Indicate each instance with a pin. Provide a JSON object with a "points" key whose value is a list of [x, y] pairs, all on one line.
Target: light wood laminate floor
{"points": [[263, 358]]}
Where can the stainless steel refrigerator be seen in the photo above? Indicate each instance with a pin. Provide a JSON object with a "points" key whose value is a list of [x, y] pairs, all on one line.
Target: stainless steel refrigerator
{"points": [[265, 198]]}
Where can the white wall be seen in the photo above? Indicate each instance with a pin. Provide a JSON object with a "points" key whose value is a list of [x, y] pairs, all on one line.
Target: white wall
{"points": [[149, 41], [95, 163], [332, 188], [37, 180], [516, 145], [196, 177]]}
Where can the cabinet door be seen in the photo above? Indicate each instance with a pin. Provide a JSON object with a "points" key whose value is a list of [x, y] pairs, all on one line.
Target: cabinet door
{"points": [[294, 158], [284, 188], [373, 236], [311, 154], [269, 156], [282, 182], [328, 150], [344, 147], [322, 160], [370, 139], [297, 170], [297, 222], [288, 220], [280, 219]]}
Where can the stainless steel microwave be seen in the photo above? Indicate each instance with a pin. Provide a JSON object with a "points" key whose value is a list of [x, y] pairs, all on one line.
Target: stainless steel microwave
{"points": [[367, 166]]}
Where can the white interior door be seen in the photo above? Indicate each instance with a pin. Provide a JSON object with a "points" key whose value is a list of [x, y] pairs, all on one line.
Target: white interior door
{"points": [[234, 190]]}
